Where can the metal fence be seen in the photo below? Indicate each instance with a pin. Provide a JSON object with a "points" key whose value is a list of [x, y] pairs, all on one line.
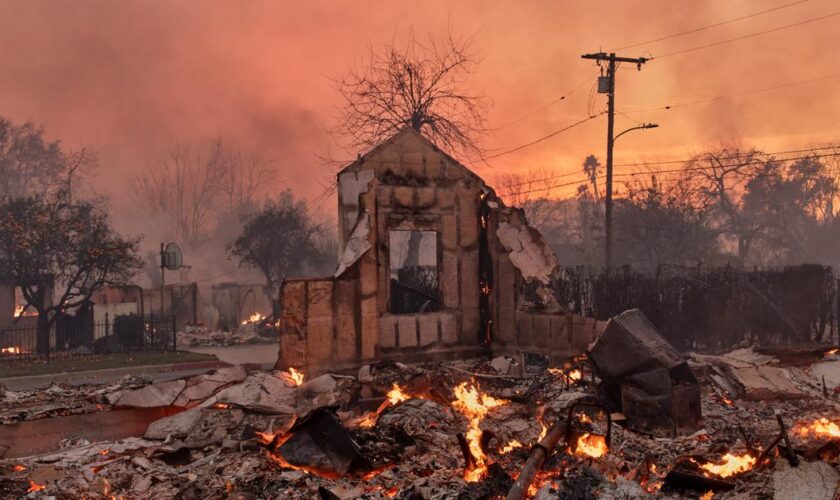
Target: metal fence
{"points": [[68, 337], [712, 309]]}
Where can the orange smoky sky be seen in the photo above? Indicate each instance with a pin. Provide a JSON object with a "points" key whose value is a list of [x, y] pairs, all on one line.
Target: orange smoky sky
{"points": [[127, 77]]}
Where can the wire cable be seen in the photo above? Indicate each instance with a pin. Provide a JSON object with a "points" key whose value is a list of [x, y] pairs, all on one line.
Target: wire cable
{"points": [[737, 94], [545, 137], [544, 106], [664, 171], [715, 25], [744, 37]]}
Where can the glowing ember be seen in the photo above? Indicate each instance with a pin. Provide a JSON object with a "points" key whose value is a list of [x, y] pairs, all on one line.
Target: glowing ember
{"points": [[820, 427], [279, 460], [707, 496], [265, 437], [512, 445], [221, 406], [474, 405], [591, 445], [10, 350], [730, 465], [570, 377], [33, 486], [832, 352], [254, 318], [19, 468]]}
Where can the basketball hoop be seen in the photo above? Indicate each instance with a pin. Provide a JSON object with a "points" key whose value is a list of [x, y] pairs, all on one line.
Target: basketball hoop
{"points": [[171, 257]]}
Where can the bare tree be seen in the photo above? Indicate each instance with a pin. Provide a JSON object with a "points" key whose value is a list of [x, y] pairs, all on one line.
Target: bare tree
{"points": [[529, 191], [719, 179], [191, 189], [422, 86]]}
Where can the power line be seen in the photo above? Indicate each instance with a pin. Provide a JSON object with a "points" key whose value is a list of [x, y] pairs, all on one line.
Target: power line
{"points": [[731, 157], [672, 162], [744, 37], [544, 106], [666, 171], [545, 137], [721, 23], [737, 94]]}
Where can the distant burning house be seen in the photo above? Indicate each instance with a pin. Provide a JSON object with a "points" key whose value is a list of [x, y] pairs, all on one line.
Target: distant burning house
{"points": [[433, 265]]}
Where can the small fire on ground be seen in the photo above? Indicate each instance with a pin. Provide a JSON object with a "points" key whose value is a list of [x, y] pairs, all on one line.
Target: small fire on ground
{"points": [[591, 445], [475, 405], [293, 376], [820, 427], [730, 465], [254, 318]]}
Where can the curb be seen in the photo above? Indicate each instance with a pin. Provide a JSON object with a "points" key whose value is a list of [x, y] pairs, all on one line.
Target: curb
{"points": [[196, 365]]}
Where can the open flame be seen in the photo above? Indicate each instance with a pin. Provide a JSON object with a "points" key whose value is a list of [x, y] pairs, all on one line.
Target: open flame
{"points": [[11, 350], [819, 427], [512, 445], [21, 312], [474, 405], [19, 467], [397, 395], [33, 486], [293, 376], [591, 445], [831, 352], [730, 465], [254, 318], [570, 376]]}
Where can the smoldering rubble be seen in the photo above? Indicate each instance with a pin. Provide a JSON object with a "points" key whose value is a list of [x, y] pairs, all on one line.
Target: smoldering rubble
{"points": [[767, 427]]}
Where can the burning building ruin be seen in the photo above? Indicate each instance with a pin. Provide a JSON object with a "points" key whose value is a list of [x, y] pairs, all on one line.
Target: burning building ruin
{"points": [[434, 265]]}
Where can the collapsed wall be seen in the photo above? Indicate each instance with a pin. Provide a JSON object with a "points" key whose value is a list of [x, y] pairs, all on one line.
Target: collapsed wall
{"points": [[433, 266]]}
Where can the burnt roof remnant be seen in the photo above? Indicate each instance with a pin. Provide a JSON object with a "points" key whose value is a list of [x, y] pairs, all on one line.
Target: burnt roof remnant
{"points": [[644, 377]]}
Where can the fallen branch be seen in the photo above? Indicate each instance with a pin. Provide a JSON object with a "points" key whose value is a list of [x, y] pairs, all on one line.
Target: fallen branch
{"points": [[539, 454]]}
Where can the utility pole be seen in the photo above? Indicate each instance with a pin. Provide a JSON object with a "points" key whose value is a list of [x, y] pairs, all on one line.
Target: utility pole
{"points": [[611, 59]]}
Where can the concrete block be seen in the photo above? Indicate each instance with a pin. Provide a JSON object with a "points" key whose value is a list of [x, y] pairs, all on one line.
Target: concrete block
{"points": [[445, 198], [470, 324], [319, 340], [387, 332], [449, 280], [345, 321], [449, 328], [407, 331], [433, 165], [320, 298], [425, 197], [369, 277], [449, 232], [370, 328], [383, 196], [470, 291], [414, 163], [428, 329], [404, 196]]}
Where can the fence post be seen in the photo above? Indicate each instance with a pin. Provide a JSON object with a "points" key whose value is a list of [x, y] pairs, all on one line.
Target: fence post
{"points": [[174, 344], [107, 333]]}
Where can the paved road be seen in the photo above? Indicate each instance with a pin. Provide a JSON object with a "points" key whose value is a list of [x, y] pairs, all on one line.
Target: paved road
{"points": [[255, 354]]}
